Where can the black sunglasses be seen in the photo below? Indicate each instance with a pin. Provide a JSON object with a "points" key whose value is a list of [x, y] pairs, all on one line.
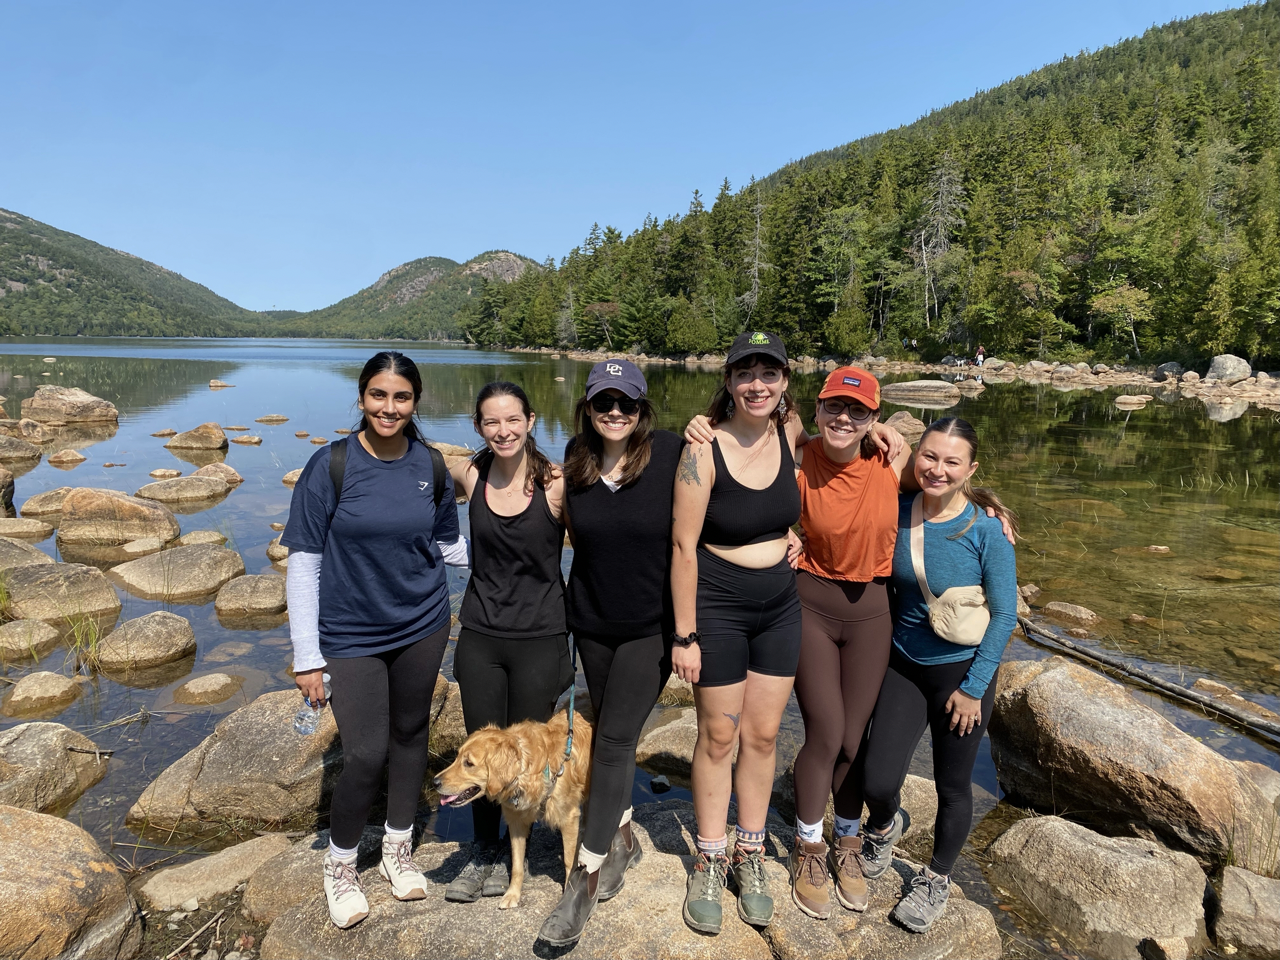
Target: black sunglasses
{"points": [[603, 403]]}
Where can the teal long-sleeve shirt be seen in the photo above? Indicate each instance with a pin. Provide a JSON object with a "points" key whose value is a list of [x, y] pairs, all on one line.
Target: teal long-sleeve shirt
{"points": [[982, 556]]}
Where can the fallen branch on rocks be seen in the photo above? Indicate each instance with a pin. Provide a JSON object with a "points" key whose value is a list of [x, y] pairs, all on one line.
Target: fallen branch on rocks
{"points": [[99, 754], [1256, 725], [191, 938]]}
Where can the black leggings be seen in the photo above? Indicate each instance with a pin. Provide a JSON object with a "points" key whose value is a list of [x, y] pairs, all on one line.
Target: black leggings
{"points": [[913, 697], [383, 707], [505, 681], [624, 679], [844, 651]]}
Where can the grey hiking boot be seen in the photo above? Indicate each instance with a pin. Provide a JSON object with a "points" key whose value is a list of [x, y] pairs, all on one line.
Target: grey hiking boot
{"points": [[755, 906], [496, 884], [877, 848], [923, 903], [702, 897], [620, 859], [468, 886]]}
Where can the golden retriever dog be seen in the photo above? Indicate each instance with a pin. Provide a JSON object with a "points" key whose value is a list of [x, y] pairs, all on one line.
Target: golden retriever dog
{"points": [[519, 767]]}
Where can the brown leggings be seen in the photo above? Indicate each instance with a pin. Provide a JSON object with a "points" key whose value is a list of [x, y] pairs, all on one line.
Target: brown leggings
{"points": [[844, 651]]}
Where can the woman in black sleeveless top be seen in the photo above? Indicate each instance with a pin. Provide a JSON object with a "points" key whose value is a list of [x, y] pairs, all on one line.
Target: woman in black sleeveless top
{"points": [[512, 659]]}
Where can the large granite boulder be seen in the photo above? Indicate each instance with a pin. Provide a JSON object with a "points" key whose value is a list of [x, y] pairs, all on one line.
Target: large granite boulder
{"points": [[1167, 371], [214, 875], [253, 768], [15, 553], [911, 428], [207, 436], [667, 746], [1108, 895], [68, 404], [45, 767], [183, 489], [60, 593], [62, 896], [183, 573], [14, 450], [1249, 914], [26, 639], [96, 517], [149, 641], [1064, 737], [1228, 369], [926, 394]]}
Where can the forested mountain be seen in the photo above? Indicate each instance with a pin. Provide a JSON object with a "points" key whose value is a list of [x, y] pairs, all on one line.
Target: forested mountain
{"points": [[1118, 203]]}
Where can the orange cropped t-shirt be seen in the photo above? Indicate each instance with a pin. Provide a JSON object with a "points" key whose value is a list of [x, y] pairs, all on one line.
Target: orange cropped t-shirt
{"points": [[849, 512]]}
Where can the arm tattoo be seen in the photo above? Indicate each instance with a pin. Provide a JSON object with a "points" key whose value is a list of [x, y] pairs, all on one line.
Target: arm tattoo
{"points": [[688, 472]]}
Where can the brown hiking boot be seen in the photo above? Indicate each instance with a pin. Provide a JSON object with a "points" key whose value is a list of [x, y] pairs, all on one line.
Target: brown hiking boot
{"points": [[809, 880], [851, 885]]}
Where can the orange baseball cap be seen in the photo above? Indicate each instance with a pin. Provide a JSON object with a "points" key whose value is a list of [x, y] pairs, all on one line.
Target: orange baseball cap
{"points": [[852, 382]]}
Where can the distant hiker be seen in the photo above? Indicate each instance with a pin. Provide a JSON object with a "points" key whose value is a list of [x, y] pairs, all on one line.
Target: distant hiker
{"points": [[981, 354]]}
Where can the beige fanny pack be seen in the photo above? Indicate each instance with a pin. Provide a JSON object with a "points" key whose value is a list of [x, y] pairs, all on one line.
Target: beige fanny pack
{"points": [[961, 614]]}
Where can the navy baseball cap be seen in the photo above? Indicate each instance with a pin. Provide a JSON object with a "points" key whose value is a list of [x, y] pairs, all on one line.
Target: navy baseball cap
{"points": [[766, 344], [622, 375]]}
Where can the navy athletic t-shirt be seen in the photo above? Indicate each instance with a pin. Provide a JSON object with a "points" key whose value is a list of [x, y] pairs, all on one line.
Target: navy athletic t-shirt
{"points": [[383, 582]]}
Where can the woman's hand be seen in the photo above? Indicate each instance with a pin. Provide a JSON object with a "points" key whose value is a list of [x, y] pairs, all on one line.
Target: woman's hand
{"points": [[686, 662], [311, 683], [966, 712], [887, 440], [699, 430], [1004, 525], [795, 547]]}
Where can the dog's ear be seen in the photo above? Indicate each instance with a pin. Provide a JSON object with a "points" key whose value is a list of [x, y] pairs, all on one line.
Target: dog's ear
{"points": [[504, 767]]}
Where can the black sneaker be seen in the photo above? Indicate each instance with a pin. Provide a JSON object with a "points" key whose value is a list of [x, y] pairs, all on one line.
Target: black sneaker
{"points": [[468, 886]]}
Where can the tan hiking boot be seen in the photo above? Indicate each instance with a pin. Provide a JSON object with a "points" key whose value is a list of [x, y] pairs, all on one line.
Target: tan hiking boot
{"points": [[810, 885], [851, 885]]}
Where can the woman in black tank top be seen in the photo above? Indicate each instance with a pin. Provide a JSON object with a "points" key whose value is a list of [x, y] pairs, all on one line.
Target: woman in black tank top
{"points": [[512, 659], [737, 631]]}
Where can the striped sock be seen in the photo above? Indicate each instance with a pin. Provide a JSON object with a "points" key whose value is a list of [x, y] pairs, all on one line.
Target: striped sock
{"points": [[712, 848], [748, 841]]}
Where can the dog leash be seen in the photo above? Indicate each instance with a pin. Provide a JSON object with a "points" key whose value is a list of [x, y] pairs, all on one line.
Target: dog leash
{"points": [[547, 775]]}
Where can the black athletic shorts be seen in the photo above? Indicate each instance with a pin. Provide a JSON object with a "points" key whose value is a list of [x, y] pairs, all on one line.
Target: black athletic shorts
{"points": [[749, 620]]}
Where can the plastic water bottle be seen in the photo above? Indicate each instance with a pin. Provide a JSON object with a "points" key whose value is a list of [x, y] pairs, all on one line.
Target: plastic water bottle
{"points": [[307, 718]]}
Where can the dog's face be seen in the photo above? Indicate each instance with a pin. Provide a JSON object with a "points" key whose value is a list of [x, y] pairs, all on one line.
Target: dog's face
{"points": [[488, 763]]}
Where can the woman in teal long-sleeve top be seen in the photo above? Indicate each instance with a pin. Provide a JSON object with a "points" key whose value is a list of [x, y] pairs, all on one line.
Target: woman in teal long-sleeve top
{"points": [[932, 682]]}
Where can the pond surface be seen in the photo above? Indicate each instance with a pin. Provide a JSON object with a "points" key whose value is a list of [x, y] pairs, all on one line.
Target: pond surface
{"points": [[1094, 487]]}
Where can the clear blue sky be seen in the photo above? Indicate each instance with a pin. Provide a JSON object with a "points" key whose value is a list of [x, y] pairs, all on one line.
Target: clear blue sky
{"points": [[288, 154]]}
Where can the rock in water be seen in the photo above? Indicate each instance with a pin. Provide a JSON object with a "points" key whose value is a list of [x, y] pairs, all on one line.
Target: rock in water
{"points": [[62, 897], [68, 404], [16, 553], [1167, 371], [929, 394], [24, 527], [292, 477], [1224, 368], [272, 418], [251, 595], [13, 449], [207, 436], [1065, 737], [253, 767], [149, 641], [224, 472], [201, 536], [247, 441], [97, 517], [1070, 612], [1108, 895], [67, 458], [907, 425], [164, 473], [47, 504], [212, 876], [184, 489], [1249, 914], [41, 692], [211, 688], [60, 593], [276, 550], [183, 573], [6, 493], [38, 772], [26, 639]]}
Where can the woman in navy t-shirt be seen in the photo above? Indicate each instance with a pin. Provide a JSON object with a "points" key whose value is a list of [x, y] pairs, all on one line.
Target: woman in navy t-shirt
{"points": [[369, 604]]}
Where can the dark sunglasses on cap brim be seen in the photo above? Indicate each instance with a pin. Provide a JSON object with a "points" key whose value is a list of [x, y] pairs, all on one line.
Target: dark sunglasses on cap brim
{"points": [[603, 403]]}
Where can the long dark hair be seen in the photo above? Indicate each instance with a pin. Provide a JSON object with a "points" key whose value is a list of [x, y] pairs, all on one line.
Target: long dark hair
{"points": [[980, 497], [718, 411], [582, 466], [538, 468], [393, 361]]}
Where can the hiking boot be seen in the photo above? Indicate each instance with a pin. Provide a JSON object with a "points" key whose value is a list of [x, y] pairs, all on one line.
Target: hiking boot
{"points": [[851, 885], [877, 848], [407, 881], [702, 896], [468, 885], [496, 884], [755, 906], [620, 859], [808, 865], [923, 903], [345, 895], [566, 922]]}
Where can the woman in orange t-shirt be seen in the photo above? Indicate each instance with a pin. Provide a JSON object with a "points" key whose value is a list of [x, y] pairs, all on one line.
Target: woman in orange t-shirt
{"points": [[849, 514]]}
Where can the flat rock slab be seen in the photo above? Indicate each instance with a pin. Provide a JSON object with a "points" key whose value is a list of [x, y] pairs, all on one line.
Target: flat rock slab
{"points": [[1070, 612], [47, 504], [16, 553], [159, 637], [140, 548], [247, 441], [184, 488], [294, 876], [164, 473], [14, 450], [98, 517], [668, 746], [183, 573], [68, 404], [201, 536], [62, 896], [272, 418], [41, 692], [226, 652], [917, 393], [45, 767], [26, 639], [253, 595], [23, 527], [222, 471], [60, 593], [1249, 914], [207, 436], [208, 689], [213, 875]]}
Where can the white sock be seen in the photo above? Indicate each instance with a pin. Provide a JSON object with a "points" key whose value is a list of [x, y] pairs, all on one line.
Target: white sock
{"points": [[590, 860], [626, 816], [397, 835], [809, 832], [341, 854], [846, 828]]}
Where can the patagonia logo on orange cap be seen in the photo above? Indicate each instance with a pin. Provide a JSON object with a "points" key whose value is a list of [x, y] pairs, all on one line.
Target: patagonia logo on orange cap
{"points": [[853, 381]]}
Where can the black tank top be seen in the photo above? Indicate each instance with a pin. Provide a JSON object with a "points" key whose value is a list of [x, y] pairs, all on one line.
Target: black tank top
{"points": [[516, 590], [738, 515]]}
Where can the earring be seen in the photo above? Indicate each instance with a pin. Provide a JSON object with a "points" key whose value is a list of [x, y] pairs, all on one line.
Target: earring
{"points": [[782, 408], [729, 409]]}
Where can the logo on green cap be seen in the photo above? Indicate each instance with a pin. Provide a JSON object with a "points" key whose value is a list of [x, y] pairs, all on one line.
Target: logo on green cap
{"points": [[759, 339]]}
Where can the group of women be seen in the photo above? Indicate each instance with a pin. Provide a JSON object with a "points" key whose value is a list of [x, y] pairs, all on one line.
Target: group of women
{"points": [[887, 614]]}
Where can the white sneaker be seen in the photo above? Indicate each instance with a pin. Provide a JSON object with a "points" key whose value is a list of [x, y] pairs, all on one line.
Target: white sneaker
{"points": [[407, 882], [347, 904]]}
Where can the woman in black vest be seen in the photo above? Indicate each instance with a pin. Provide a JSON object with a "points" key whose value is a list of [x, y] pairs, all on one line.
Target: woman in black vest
{"points": [[619, 474], [512, 658]]}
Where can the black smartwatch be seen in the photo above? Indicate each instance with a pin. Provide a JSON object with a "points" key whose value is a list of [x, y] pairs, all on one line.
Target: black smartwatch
{"points": [[688, 641]]}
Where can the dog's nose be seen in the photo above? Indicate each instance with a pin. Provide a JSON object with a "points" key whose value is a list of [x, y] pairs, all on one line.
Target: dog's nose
{"points": [[436, 784]]}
